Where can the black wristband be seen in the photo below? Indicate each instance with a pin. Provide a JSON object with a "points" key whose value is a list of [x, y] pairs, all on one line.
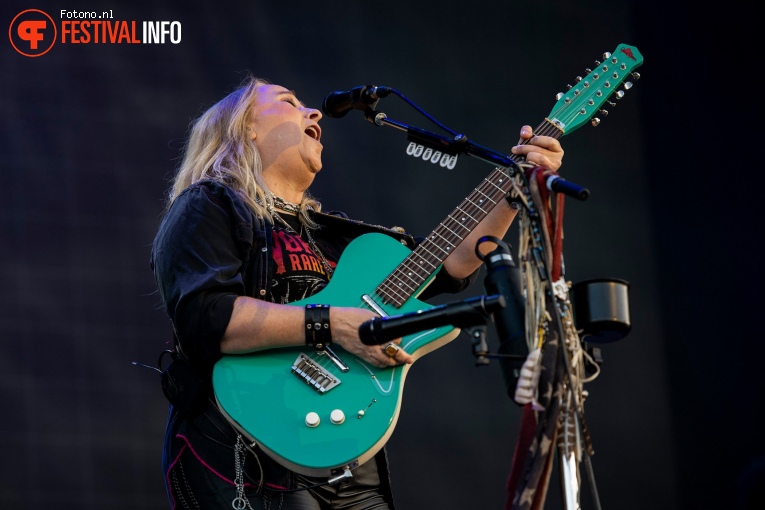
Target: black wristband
{"points": [[317, 331]]}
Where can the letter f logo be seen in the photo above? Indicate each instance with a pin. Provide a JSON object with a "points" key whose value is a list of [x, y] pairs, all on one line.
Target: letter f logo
{"points": [[29, 31]]}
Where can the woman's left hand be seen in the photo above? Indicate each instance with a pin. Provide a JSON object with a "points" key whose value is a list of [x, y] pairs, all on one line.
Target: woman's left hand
{"points": [[543, 151]]}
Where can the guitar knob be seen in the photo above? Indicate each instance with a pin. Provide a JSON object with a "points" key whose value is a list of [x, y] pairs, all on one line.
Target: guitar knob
{"points": [[337, 417], [312, 419]]}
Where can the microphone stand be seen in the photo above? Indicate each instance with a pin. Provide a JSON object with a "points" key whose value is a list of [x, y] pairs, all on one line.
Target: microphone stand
{"points": [[460, 144]]}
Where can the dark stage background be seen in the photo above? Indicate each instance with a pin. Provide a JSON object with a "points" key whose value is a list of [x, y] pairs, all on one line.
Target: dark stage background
{"points": [[89, 143]]}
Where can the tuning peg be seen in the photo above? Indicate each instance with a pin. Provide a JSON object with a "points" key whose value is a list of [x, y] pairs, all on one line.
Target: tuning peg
{"points": [[597, 63], [603, 112], [588, 70], [559, 95], [607, 55], [627, 85], [619, 94], [595, 122], [578, 79], [635, 76]]}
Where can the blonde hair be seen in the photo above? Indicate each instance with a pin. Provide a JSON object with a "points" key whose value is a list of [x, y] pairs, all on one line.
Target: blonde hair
{"points": [[220, 148]]}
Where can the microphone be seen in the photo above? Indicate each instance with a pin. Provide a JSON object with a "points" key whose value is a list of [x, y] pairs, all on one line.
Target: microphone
{"points": [[363, 98], [462, 314], [503, 277]]}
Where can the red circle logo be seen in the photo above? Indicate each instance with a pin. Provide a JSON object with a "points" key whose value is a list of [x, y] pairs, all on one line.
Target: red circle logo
{"points": [[32, 33]]}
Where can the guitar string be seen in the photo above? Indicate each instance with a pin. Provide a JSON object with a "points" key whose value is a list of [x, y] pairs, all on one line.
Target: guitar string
{"points": [[445, 233], [451, 236], [467, 209]]}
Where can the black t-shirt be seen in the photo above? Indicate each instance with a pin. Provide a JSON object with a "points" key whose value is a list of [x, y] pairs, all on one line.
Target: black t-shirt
{"points": [[300, 271]]}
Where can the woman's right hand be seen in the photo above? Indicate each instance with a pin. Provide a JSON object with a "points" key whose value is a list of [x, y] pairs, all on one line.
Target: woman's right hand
{"points": [[344, 323]]}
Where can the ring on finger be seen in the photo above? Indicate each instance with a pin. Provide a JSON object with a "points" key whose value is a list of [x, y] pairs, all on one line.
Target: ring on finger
{"points": [[391, 350]]}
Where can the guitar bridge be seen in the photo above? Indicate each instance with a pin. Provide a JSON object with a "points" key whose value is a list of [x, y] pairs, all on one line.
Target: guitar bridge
{"points": [[313, 374]]}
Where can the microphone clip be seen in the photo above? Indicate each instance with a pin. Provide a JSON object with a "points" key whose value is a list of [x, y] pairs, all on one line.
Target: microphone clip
{"points": [[477, 336]]}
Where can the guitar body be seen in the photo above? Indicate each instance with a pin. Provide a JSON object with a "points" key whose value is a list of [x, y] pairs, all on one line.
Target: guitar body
{"points": [[269, 403]]}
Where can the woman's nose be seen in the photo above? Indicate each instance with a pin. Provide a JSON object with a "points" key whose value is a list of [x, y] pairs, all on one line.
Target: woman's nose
{"points": [[313, 114]]}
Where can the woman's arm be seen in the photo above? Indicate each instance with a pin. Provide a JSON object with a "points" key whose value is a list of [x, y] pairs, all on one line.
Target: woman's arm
{"points": [[257, 325], [539, 150]]}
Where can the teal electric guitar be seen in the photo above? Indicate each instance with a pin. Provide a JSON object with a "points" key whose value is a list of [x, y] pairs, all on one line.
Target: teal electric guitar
{"points": [[319, 413]]}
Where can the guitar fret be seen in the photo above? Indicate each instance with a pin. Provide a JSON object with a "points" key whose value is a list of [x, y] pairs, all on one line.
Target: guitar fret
{"points": [[484, 195], [423, 259], [449, 240], [478, 207], [430, 252], [420, 277], [409, 277], [453, 232], [445, 239], [463, 211], [396, 282], [428, 262], [487, 196], [462, 224], [395, 291], [402, 282], [498, 187]]}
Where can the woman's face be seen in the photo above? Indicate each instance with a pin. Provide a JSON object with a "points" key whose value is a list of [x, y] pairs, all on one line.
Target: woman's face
{"points": [[287, 135]]}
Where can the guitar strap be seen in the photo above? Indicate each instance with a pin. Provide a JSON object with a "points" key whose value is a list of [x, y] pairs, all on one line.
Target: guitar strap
{"points": [[354, 228]]}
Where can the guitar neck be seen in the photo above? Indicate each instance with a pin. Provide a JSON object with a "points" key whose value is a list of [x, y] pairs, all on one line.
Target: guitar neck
{"points": [[407, 279], [572, 110]]}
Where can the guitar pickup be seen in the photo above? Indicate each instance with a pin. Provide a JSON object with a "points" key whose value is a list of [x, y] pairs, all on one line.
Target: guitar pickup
{"points": [[313, 374]]}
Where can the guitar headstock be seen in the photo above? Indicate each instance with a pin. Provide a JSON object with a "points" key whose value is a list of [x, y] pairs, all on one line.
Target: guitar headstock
{"points": [[591, 93]]}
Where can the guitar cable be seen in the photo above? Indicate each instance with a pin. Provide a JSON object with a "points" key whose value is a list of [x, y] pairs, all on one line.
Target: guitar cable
{"points": [[457, 136]]}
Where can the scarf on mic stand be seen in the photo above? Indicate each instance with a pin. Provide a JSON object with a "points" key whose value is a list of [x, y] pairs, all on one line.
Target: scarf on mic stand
{"points": [[533, 458]]}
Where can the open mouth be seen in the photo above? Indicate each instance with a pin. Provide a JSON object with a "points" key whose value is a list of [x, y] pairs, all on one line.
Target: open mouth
{"points": [[314, 132]]}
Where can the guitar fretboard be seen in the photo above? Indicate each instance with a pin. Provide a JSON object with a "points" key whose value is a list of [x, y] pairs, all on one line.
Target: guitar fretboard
{"points": [[407, 279]]}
